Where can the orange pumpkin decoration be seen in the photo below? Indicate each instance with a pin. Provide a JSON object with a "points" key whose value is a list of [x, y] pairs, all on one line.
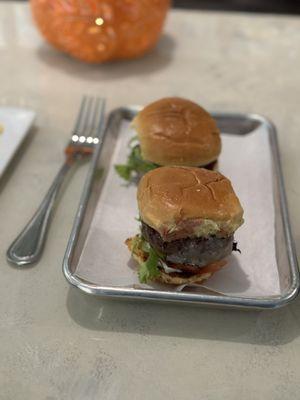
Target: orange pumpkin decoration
{"points": [[101, 30]]}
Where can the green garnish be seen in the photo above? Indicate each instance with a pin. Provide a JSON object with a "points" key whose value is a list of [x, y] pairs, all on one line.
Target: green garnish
{"points": [[123, 171], [145, 246], [148, 270], [135, 165], [132, 140]]}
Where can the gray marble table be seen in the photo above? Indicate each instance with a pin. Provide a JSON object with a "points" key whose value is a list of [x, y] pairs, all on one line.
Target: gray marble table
{"points": [[57, 343]]}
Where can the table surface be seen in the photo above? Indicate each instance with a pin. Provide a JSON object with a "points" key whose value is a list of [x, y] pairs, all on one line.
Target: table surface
{"points": [[58, 343]]}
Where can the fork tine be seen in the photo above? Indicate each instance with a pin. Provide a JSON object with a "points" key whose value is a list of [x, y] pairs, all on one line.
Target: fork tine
{"points": [[80, 115], [86, 118], [100, 121], [94, 117], [90, 118]]}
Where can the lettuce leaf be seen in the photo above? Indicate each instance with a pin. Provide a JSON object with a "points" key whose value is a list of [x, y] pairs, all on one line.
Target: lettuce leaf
{"points": [[124, 171], [148, 270], [135, 165]]}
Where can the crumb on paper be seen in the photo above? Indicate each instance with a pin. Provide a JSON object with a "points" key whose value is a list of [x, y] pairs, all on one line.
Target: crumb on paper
{"points": [[1, 129]]}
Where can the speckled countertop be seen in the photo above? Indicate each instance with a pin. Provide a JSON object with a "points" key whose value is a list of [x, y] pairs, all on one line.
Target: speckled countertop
{"points": [[57, 343]]}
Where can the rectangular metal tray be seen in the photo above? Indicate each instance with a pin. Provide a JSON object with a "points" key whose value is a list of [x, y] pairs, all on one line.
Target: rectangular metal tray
{"points": [[238, 124]]}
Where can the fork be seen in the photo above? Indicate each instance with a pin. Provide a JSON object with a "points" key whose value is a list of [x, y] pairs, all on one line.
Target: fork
{"points": [[88, 131]]}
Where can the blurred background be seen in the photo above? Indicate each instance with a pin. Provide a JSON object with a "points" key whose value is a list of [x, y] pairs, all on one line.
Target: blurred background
{"points": [[267, 6], [277, 6]]}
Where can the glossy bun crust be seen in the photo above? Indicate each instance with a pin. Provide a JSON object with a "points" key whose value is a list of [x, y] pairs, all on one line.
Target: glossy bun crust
{"points": [[176, 131], [178, 200]]}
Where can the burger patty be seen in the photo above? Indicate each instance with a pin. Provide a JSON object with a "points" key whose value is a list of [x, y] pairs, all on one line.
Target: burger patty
{"points": [[212, 165], [196, 252]]}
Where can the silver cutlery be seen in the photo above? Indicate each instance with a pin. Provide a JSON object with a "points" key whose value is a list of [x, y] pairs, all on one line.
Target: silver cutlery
{"points": [[87, 133]]}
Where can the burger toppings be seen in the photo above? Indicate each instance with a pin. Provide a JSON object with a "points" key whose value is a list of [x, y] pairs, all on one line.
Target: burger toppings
{"points": [[149, 259], [154, 267], [235, 248], [196, 251], [135, 166], [188, 217]]}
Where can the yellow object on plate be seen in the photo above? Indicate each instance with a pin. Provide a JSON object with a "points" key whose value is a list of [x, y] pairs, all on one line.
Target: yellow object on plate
{"points": [[97, 31]]}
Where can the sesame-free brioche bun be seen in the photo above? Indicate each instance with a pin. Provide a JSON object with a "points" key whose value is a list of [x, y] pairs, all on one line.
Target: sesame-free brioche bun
{"points": [[182, 202], [176, 131]]}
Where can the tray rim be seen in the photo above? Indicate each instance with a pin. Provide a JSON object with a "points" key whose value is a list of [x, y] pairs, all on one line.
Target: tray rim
{"points": [[182, 297]]}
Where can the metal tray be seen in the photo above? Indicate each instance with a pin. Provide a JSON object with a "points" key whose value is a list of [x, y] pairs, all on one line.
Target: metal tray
{"points": [[238, 124]]}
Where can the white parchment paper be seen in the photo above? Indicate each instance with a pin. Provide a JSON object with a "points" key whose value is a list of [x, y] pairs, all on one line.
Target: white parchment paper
{"points": [[246, 160]]}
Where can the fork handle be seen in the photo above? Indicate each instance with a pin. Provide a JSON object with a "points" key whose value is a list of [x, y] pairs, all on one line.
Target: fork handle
{"points": [[28, 246]]}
